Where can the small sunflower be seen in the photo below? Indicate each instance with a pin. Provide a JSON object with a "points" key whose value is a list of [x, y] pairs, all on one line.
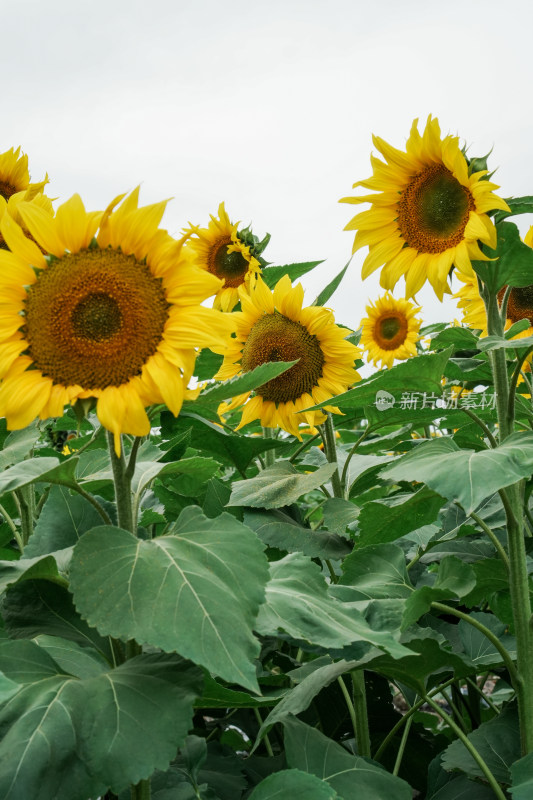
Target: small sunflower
{"points": [[14, 175], [390, 331], [219, 250], [11, 207], [273, 326], [116, 318], [519, 304], [427, 212]]}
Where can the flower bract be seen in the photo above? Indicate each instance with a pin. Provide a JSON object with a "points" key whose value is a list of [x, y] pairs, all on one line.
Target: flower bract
{"points": [[390, 331], [274, 326], [116, 318], [427, 212], [219, 250]]}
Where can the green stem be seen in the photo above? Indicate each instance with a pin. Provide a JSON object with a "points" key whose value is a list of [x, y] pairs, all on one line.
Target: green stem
{"points": [[362, 734], [401, 749], [270, 456], [266, 740], [494, 539], [472, 685], [302, 447], [493, 783], [349, 704], [330, 449], [513, 384], [518, 576], [92, 500], [486, 430], [14, 529], [26, 513], [344, 475], [506, 658], [122, 486], [403, 719], [141, 791]]}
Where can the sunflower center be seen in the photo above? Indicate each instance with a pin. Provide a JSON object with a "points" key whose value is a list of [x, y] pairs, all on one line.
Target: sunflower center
{"points": [[390, 331], [520, 303], [94, 318], [433, 210], [276, 338], [231, 267], [7, 189]]}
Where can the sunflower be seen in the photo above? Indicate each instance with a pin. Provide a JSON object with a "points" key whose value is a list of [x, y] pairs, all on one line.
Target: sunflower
{"points": [[519, 304], [14, 175], [427, 212], [116, 318], [219, 250], [11, 206], [273, 326], [390, 331]]}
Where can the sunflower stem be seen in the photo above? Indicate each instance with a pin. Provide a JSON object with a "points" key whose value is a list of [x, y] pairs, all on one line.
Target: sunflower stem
{"points": [[330, 450], [518, 576], [13, 527], [270, 456], [26, 513], [122, 483]]}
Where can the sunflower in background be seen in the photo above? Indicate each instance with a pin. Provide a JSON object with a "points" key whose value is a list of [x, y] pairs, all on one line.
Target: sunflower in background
{"points": [[519, 304], [114, 318], [232, 256], [390, 331], [14, 174], [427, 212], [11, 207], [273, 326]]}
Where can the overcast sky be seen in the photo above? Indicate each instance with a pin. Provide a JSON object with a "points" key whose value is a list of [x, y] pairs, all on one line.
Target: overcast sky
{"points": [[269, 106]]}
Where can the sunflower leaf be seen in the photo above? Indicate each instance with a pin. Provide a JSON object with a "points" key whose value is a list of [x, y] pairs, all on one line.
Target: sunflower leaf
{"points": [[514, 264], [66, 737], [300, 785], [332, 286], [210, 576], [465, 476], [246, 382], [278, 486], [271, 275], [518, 205], [48, 469]]}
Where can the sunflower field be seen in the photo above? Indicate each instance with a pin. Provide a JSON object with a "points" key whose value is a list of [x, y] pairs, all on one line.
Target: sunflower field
{"points": [[247, 552]]}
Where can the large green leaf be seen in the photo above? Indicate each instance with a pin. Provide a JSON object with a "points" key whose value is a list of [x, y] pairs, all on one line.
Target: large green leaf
{"points": [[417, 375], [35, 607], [271, 275], [63, 519], [477, 647], [278, 486], [514, 266], [298, 602], [498, 743], [393, 517], [217, 696], [465, 476], [522, 776], [352, 777], [53, 567], [300, 696], [70, 739], [17, 445], [377, 571], [196, 592], [301, 785], [196, 466], [230, 448], [454, 579], [48, 469], [277, 529], [244, 383]]}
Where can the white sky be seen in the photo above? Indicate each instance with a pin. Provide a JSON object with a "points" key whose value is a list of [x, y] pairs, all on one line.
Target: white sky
{"points": [[269, 106]]}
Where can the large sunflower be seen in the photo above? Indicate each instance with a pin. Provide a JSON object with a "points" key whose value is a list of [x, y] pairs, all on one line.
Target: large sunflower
{"points": [[14, 175], [427, 212], [519, 304], [273, 326], [390, 331], [114, 318], [219, 250]]}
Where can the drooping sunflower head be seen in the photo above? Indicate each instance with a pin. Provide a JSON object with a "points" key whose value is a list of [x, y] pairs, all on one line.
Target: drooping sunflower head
{"points": [[390, 331], [221, 251], [11, 207], [116, 318], [519, 302], [427, 212], [14, 174], [273, 326]]}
